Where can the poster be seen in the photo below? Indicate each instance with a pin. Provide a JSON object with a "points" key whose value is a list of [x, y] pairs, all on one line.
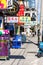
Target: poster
{"points": [[12, 19], [3, 4]]}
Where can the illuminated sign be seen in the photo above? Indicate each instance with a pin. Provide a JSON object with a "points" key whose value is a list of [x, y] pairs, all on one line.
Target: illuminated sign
{"points": [[12, 19], [24, 19], [3, 4]]}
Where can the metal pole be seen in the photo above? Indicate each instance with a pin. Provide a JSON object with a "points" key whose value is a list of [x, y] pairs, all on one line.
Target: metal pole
{"points": [[39, 13], [41, 22]]}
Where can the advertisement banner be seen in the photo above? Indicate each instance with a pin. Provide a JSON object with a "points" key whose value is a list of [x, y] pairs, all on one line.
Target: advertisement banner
{"points": [[3, 4], [24, 19], [21, 19], [27, 19], [9, 4], [6, 4], [12, 19]]}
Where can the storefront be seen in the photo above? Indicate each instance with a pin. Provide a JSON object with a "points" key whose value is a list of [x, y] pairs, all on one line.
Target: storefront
{"points": [[18, 16]]}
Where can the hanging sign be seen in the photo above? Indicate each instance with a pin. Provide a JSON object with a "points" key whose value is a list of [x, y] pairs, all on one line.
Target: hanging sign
{"points": [[12, 19], [13, 7], [3, 4], [24, 19], [27, 19], [9, 4]]}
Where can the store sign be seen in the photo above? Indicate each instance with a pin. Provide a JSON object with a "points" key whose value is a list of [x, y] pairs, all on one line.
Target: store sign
{"points": [[13, 7], [27, 19], [19, 19], [33, 23], [21, 10], [12, 19], [9, 3], [3, 4], [24, 19]]}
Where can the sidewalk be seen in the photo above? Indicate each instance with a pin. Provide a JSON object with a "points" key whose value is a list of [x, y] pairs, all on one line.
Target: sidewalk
{"points": [[26, 55], [32, 39], [23, 56]]}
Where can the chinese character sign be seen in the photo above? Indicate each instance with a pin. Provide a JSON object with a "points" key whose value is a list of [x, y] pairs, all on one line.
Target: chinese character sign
{"points": [[21, 19], [3, 4], [24, 19], [21, 11], [9, 3], [12, 19]]}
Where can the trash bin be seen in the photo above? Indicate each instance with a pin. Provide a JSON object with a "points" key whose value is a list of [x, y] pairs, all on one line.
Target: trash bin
{"points": [[16, 43]]}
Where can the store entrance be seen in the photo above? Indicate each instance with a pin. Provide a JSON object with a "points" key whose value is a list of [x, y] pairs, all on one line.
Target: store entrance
{"points": [[21, 29]]}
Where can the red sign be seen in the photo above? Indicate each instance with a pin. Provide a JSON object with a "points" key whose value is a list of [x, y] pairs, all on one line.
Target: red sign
{"points": [[21, 11], [12, 19]]}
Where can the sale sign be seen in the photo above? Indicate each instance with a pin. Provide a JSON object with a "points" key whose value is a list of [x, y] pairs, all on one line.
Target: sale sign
{"points": [[3, 4]]}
